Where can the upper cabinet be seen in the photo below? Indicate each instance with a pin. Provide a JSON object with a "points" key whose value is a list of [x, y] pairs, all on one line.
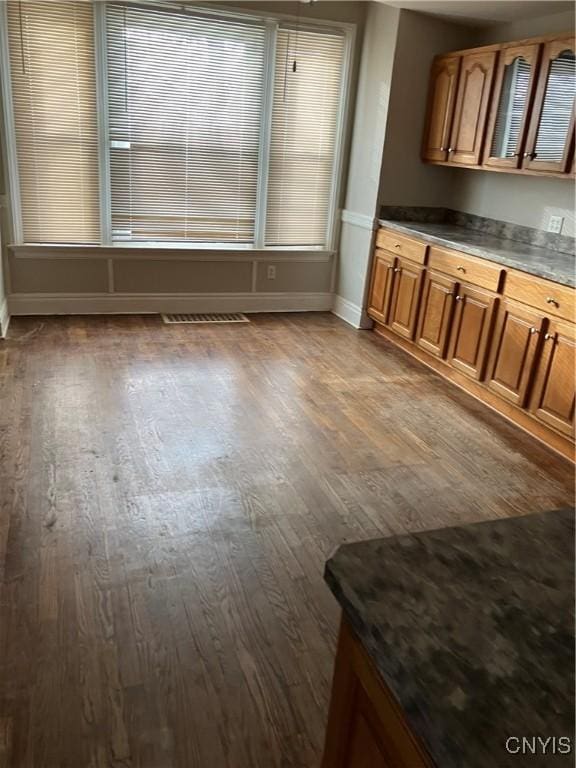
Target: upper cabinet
{"points": [[441, 101], [504, 108], [551, 135], [513, 94], [476, 73]]}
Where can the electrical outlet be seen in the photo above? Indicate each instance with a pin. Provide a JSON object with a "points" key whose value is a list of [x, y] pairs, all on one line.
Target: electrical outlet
{"points": [[271, 272], [555, 224]]}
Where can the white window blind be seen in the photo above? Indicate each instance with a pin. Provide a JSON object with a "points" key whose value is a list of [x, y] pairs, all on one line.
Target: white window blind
{"points": [[51, 47], [307, 86], [185, 102], [511, 109], [558, 108]]}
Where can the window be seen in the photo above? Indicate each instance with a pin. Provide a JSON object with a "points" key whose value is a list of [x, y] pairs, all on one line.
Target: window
{"points": [[185, 103], [213, 127], [55, 120], [307, 82]]}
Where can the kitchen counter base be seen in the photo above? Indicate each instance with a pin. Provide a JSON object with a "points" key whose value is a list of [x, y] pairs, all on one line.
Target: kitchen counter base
{"points": [[515, 415]]}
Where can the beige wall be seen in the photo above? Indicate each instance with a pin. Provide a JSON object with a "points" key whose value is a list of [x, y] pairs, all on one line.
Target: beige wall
{"points": [[385, 164], [405, 180], [361, 199]]}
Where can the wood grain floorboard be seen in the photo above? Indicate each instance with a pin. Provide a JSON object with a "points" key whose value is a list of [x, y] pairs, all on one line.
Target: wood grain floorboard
{"points": [[168, 497]]}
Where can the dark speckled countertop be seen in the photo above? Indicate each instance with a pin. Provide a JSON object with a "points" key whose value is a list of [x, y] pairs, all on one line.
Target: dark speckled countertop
{"points": [[472, 629], [536, 260]]}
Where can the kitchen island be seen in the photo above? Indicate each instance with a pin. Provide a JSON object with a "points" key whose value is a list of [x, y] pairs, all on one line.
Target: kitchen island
{"points": [[456, 648]]}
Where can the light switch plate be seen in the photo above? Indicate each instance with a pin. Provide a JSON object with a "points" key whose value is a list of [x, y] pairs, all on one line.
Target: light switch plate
{"points": [[555, 224]]}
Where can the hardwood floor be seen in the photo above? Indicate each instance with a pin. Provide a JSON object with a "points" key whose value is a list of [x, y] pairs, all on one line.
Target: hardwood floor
{"points": [[168, 496]]}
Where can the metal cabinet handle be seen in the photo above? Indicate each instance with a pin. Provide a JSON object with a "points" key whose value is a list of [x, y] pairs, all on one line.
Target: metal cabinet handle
{"points": [[397, 245], [531, 155], [534, 330], [551, 300], [397, 269], [461, 269], [459, 298], [548, 336]]}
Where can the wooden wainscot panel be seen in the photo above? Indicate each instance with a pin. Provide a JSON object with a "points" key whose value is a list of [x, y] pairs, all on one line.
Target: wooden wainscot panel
{"points": [[543, 295], [554, 389], [468, 269], [366, 727], [401, 245]]}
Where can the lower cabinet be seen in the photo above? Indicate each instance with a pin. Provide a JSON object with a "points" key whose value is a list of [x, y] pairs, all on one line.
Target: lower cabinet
{"points": [[517, 339], [553, 396], [471, 329], [405, 300], [436, 309], [381, 285], [366, 727], [511, 333]]}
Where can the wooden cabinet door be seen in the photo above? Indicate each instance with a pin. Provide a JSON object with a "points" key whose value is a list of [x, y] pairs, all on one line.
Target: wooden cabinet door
{"points": [[474, 88], [516, 340], [471, 330], [440, 112], [553, 396], [436, 308], [381, 286], [366, 728], [405, 297], [513, 92], [551, 135]]}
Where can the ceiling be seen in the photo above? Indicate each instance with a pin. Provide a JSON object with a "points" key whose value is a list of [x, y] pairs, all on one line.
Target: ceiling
{"points": [[484, 12]]}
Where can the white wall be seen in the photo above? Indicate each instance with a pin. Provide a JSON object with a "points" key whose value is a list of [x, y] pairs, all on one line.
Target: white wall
{"points": [[361, 200], [525, 200]]}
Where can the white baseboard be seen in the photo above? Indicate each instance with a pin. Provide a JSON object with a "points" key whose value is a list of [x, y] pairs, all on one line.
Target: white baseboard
{"points": [[350, 313], [4, 318], [129, 303]]}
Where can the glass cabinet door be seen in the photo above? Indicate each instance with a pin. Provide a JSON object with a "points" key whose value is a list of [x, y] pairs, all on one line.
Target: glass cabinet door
{"points": [[515, 81], [551, 137]]}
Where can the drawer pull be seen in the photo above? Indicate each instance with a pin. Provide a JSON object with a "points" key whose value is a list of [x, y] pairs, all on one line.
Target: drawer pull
{"points": [[459, 298], [461, 268], [550, 300], [397, 245], [534, 330]]}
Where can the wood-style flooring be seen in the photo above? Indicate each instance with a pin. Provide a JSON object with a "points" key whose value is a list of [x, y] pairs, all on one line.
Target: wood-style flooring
{"points": [[168, 496]]}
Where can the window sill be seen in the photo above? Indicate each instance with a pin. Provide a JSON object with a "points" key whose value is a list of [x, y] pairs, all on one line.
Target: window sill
{"points": [[209, 251]]}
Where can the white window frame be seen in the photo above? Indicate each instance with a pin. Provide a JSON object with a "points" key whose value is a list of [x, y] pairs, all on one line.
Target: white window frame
{"points": [[272, 22]]}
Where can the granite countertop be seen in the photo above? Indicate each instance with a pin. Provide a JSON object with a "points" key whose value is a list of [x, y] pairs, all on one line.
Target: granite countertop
{"points": [[472, 629], [536, 260]]}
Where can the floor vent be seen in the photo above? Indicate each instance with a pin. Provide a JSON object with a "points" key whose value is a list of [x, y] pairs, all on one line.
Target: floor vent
{"points": [[206, 317]]}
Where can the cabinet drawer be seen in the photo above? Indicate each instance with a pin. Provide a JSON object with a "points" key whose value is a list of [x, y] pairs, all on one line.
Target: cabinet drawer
{"points": [[402, 245], [467, 269], [544, 295]]}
